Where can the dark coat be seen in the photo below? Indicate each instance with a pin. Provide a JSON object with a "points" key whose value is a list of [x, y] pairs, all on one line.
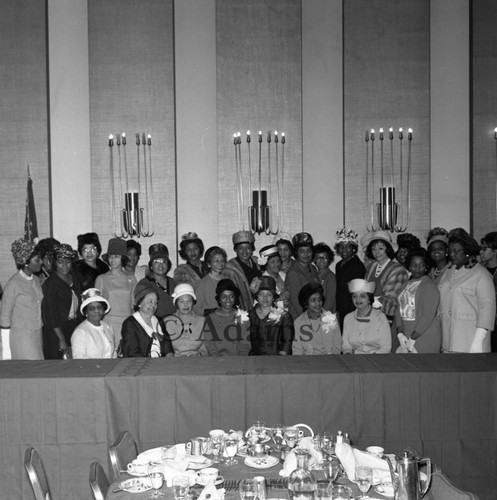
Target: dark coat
{"points": [[136, 343]]}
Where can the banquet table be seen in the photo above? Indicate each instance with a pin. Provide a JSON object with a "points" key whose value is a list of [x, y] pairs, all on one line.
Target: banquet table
{"points": [[444, 406]]}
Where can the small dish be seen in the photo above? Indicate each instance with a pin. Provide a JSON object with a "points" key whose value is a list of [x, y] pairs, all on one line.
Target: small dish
{"points": [[385, 490], [270, 462], [219, 480], [136, 485], [199, 466]]}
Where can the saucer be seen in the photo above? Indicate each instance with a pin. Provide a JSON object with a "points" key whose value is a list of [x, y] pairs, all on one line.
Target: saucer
{"points": [[198, 466], [270, 462], [219, 480], [388, 494]]}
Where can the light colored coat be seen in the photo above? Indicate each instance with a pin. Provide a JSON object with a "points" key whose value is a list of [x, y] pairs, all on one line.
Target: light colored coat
{"points": [[467, 302]]}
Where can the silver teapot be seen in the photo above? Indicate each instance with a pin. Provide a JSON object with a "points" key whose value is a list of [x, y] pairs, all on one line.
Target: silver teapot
{"points": [[406, 478]]}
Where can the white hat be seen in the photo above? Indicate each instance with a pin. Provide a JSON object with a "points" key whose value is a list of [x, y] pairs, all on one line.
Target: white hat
{"points": [[183, 289], [93, 295], [359, 285]]}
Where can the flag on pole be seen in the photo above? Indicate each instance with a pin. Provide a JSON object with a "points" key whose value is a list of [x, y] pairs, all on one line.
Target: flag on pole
{"points": [[30, 224]]}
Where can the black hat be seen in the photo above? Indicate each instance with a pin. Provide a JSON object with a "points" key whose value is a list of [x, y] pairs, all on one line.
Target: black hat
{"points": [[267, 283], [89, 239]]}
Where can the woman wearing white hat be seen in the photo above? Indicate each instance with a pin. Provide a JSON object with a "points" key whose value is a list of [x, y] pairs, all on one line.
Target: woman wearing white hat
{"points": [[93, 338], [388, 276], [185, 327], [365, 330]]}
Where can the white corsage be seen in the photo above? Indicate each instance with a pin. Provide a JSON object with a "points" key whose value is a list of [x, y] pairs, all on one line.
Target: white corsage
{"points": [[276, 312], [262, 260], [329, 321], [241, 316], [377, 304]]}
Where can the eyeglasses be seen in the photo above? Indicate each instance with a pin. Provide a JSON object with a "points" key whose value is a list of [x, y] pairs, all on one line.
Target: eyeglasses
{"points": [[90, 249], [159, 261]]}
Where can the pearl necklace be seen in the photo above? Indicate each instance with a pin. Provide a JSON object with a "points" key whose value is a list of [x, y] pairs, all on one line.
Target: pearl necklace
{"points": [[380, 267]]}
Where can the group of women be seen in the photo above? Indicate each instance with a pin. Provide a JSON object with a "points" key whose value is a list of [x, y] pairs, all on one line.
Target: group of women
{"points": [[286, 301]]}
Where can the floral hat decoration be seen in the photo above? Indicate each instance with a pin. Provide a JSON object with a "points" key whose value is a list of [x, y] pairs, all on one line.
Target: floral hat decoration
{"points": [[346, 235], [22, 250]]}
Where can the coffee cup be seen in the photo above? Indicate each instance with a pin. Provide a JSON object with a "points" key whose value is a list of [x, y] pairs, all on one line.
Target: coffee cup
{"points": [[216, 432], [208, 475], [385, 489], [138, 467]]}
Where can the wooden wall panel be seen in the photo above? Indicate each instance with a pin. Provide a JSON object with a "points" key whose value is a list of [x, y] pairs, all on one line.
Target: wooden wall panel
{"points": [[484, 164], [132, 90], [23, 128], [386, 83], [258, 88]]}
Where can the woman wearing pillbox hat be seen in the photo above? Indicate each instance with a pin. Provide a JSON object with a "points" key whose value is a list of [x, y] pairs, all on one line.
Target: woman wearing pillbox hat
{"points": [[302, 271], [117, 286], [90, 266], [348, 268], [20, 310], [185, 326], [243, 268], [366, 330], [191, 249], [60, 307], [271, 328], [159, 265]]}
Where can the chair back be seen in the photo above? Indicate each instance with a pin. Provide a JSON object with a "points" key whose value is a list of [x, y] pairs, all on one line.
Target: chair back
{"points": [[442, 489], [122, 452], [99, 483], [304, 430], [36, 474]]}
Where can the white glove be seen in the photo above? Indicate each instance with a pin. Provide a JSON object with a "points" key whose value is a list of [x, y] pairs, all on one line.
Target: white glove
{"points": [[410, 346], [5, 334], [477, 344], [377, 304]]}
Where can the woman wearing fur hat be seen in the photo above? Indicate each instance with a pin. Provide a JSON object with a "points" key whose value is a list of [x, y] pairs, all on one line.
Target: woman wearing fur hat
{"points": [[159, 265], [386, 273], [20, 311], [90, 266], [191, 249], [142, 333], [226, 330], [185, 327], [117, 286], [93, 338], [467, 298], [243, 268], [60, 305], [365, 330], [271, 328], [302, 271], [349, 268]]}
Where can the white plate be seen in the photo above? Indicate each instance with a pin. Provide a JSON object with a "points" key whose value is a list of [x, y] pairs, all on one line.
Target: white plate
{"points": [[197, 466], [270, 462], [219, 480], [382, 492], [136, 485]]}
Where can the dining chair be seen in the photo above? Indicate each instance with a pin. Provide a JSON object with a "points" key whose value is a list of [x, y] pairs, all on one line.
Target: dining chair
{"points": [[442, 489], [122, 452], [99, 482], [305, 430], [36, 474]]}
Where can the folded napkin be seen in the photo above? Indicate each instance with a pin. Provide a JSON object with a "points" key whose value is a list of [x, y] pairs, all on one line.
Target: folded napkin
{"points": [[290, 463], [210, 492], [351, 458]]}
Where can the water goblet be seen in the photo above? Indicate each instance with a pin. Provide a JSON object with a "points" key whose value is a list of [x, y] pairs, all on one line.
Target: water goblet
{"points": [[327, 445], [156, 480], [277, 436], [291, 436], [331, 469], [323, 491], [216, 448], [181, 487], [248, 488], [231, 447], [364, 479], [341, 492]]}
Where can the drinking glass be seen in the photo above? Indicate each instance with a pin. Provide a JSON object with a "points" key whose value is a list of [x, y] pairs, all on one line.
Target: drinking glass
{"points": [[341, 492], [181, 487], [364, 478], [327, 445], [216, 448], [248, 489], [291, 436], [331, 469], [156, 480], [231, 447], [277, 435], [323, 491]]}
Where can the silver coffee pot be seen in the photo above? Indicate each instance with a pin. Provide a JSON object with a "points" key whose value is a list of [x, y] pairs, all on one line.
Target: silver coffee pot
{"points": [[406, 478]]}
